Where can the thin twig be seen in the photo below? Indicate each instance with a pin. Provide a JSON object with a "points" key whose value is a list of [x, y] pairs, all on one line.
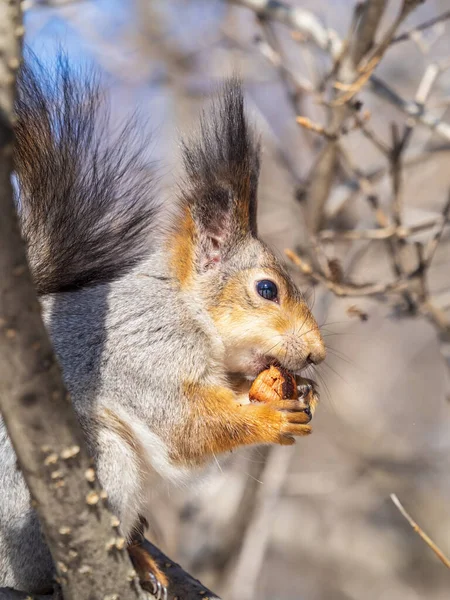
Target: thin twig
{"points": [[327, 39], [371, 135], [426, 85], [420, 532], [437, 317], [403, 37], [298, 19], [342, 290], [410, 108], [316, 128], [383, 233], [433, 244]]}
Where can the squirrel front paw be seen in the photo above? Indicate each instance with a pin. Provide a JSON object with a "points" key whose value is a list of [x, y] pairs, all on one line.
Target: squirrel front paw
{"points": [[294, 418], [294, 400]]}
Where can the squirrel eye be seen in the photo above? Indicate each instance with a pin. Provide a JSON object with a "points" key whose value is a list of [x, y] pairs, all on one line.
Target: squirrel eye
{"points": [[267, 289]]}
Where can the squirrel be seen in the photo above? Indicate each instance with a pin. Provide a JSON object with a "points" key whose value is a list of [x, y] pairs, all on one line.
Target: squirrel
{"points": [[154, 312]]}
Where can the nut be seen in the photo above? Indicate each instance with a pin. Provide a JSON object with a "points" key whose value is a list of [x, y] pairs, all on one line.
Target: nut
{"points": [[275, 383]]}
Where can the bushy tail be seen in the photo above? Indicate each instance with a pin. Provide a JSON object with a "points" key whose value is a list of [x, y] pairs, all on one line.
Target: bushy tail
{"points": [[86, 206]]}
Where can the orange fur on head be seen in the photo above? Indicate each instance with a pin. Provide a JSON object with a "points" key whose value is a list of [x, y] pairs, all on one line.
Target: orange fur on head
{"points": [[181, 248], [284, 330]]}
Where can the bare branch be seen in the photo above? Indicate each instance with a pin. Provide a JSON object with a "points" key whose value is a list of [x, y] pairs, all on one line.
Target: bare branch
{"points": [[298, 19], [9, 594], [327, 39], [420, 532], [320, 129], [372, 12], [383, 233], [342, 290], [368, 25], [433, 244], [410, 108], [426, 84], [408, 35], [182, 585], [367, 19]]}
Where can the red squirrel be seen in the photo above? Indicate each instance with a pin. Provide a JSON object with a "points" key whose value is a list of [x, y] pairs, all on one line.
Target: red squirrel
{"points": [[152, 324]]}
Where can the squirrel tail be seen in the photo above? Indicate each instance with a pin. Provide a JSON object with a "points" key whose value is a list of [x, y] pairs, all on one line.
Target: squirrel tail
{"points": [[86, 207]]}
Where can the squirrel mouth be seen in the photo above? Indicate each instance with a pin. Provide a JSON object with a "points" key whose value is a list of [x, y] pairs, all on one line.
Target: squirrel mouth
{"points": [[263, 362]]}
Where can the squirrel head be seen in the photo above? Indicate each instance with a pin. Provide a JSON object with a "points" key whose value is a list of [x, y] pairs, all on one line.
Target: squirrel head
{"points": [[260, 315]]}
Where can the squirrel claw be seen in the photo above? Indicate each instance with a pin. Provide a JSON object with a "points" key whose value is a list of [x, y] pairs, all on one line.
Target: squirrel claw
{"points": [[294, 417], [304, 389], [155, 587], [151, 578]]}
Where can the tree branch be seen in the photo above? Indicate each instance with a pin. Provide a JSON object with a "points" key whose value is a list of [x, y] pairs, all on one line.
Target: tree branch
{"points": [[182, 585], [298, 19], [408, 35], [33, 400], [420, 532], [9, 594], [328, 40]]}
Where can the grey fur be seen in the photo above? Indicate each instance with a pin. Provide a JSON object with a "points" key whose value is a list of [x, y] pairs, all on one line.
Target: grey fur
{"points": [[128, 345], [110, 340]]}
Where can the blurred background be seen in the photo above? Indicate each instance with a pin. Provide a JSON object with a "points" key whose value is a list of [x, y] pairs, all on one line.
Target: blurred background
{"points": [[314, 521]]}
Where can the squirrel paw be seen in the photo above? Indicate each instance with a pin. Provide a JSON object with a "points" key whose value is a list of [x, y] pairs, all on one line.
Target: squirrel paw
{"points": [[155, 587], [308, 394], [151, 578], [295, 414]]}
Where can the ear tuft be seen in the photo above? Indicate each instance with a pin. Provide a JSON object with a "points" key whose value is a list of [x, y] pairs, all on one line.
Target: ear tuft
{"points": [[222, 165]]}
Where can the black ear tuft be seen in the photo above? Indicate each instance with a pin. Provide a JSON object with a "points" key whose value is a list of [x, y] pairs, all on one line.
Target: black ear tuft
{"points": [[222, 165]]}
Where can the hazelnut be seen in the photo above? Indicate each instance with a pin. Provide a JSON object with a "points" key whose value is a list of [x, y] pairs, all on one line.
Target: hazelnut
{"points": [[275, 383]]}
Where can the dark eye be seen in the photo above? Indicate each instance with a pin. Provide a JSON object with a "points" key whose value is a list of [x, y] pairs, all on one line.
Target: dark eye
{"points": [[267, 289]]}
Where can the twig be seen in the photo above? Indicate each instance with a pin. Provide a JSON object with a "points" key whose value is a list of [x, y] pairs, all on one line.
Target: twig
{"points": [[426, 84], [316, 128], [371, 135], [383, 233], [298, 19], [365, 23], [362, 41], [273, 56], [320, 182], [426, 25], [374, 11], [437, 317], [343, 290], [410, 108], [327, 39], [420, 532], [433, 243]]}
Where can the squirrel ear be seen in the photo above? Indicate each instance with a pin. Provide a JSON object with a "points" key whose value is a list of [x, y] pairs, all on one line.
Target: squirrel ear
{"points": [[222, 166]]}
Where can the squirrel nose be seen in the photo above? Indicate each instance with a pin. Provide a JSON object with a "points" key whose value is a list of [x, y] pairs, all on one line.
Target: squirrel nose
{"points": [[317, 351]]}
